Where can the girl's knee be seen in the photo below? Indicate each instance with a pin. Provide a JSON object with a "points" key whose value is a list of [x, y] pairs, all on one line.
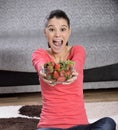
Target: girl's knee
{"points": [[110, 120], [105, 123], [109, 123]]}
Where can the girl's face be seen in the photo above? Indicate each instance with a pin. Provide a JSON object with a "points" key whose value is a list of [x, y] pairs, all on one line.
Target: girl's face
{"points": [[57, 33]]}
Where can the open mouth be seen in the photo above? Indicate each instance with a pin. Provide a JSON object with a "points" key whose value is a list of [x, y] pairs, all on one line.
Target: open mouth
{"points": [[57, 43]]}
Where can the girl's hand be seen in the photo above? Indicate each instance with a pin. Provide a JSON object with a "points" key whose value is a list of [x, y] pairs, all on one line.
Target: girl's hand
{"points": [[43, 76], [72, 79]]}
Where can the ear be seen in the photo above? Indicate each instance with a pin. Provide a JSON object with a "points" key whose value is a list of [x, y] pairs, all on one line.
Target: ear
{"points": [[69, 31], [45, 32]]}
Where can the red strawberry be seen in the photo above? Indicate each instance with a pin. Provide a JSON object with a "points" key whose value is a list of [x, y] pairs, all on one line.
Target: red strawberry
{"points": [[62, 73], [68, 74], [57, 66], [69, 66], [61, 79], [55, 74], [52, 64]]}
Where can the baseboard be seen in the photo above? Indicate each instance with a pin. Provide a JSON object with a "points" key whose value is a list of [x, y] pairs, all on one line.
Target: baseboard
{"points": [[36, 88]]}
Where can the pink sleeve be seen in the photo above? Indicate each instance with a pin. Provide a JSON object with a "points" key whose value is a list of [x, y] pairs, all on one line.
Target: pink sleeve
{"points": [[38, 59], [78, 56]]}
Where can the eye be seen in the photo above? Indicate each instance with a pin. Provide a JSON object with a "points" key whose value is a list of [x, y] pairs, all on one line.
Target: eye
{"points": [[63, 29], [51, 29]]}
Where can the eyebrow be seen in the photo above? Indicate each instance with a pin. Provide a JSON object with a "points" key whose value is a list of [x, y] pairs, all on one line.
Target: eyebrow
{"points": [[53, 25]]}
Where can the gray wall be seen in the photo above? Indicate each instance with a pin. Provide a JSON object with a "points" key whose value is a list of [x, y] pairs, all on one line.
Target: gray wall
{"points": [[94, 25]]}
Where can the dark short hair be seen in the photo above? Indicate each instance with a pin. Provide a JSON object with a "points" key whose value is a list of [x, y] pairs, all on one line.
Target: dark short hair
{"points": [[58, 14]]}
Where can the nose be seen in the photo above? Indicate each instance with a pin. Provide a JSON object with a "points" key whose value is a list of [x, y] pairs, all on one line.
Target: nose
{"points": [[57, 33]]}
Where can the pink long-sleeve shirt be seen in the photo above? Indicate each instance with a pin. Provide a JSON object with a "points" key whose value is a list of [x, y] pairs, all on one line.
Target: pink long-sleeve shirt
{"points": [[63, 105]]}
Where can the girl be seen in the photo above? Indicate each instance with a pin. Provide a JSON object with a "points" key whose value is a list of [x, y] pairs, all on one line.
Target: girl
{"points": [[63, 104]]}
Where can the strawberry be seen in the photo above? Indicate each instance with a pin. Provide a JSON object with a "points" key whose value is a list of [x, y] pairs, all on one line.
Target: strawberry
{"points": [[62, 73], [52, 64], [55, 75], [57, 66], [69, 66], [48, 67], [68, 74]]}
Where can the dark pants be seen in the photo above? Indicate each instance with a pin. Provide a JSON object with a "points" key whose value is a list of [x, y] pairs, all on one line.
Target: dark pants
{"points": [[102, 124]]}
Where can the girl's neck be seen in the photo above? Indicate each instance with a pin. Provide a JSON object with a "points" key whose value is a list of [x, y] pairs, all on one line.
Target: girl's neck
{"points": [[61, 56]]}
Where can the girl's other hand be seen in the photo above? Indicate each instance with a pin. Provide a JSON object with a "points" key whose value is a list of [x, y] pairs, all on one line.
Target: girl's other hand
{"points": [[73, 78]]}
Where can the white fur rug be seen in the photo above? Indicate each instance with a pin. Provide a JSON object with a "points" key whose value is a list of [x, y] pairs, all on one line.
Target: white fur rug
{"points": [[95, 111]]}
